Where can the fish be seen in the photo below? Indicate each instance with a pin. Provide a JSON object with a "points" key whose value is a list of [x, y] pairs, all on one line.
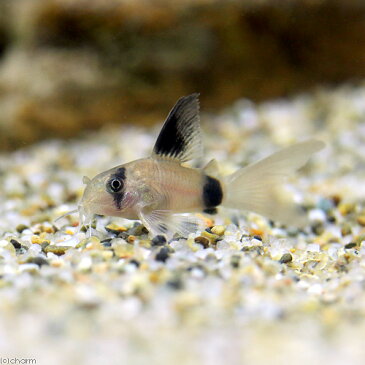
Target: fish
{"points": [[161, 189]]}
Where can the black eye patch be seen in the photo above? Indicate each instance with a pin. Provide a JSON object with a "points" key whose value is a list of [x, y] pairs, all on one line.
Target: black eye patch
{"points": [[115, 186]]}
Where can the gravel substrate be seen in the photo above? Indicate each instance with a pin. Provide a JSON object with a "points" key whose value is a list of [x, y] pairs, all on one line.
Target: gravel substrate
{"points": [[243, 291]]}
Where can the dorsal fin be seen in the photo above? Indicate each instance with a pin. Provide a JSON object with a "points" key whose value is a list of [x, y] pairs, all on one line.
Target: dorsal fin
{"points": [[212, 169], [180, 136]]}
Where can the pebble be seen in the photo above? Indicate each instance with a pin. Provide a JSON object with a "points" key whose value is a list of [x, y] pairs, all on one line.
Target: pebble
{"points": [[235, 261], [175, 283], [256, 241], [163, 254], [21, 227], [213, 238], [317, 215], [107, 242], [326, 204], [122, 249], [350, 245], [158, 240], [138, 230], [317, 228], [131, 239], [361, 220], [359, 239], [204, 241], [286, 258], [218, 230], [346, 208], [85, 263], [135, 262], [346, 229], [313, 247], [32, 268], [57, 250], [16, 244], [114, 228], [44, 244], [40, 261]]}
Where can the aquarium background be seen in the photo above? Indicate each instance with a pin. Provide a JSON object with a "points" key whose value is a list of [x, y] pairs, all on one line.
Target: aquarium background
{"points": [[68, 66]]}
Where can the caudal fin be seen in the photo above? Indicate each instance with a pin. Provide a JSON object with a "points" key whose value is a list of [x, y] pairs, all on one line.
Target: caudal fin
{"points": [[258, 187]]}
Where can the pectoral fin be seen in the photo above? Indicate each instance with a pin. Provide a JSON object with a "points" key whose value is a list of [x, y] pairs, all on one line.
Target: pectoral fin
{"points": [[163, 222], [180, 136]]}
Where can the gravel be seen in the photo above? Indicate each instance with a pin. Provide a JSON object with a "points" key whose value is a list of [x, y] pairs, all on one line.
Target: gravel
{"points": [[244, 290]]}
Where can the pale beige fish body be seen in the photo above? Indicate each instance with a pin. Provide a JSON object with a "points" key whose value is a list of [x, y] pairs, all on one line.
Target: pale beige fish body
{"points": [[159, 188], [167, 184], [159, 184]]}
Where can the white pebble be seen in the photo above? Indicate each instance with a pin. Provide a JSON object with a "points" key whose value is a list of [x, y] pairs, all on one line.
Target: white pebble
{"points": [[313, 247], [317, 215]]}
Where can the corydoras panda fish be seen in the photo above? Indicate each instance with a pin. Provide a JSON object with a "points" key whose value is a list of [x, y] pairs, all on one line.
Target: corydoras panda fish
{"points": [[157, 189]]}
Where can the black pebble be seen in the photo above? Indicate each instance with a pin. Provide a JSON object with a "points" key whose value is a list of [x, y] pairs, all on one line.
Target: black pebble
{"points": [[258, 238], [135, 262], [235, 262], [175, 284], [107, 242], [163, 254], [350, 245], [159, 240], [16, 244]]}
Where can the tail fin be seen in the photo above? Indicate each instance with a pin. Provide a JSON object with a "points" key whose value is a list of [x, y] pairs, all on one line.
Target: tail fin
{"points": [[257, 187]]}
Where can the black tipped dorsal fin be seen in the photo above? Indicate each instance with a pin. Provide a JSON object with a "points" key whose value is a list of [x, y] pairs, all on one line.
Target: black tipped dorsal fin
{"points": [[180, 136]]}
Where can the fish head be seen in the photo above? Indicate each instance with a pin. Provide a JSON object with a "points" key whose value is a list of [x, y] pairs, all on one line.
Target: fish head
{"points": [[107, 194]]}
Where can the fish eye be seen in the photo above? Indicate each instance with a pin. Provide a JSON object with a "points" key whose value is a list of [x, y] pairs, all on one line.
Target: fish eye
{"points": [[115, 185]]}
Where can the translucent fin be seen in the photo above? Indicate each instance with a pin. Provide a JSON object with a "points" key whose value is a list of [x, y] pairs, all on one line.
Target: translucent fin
{"points": [[180, 136], [86, 180], [163, 222], [258, 187], [212, 168], [85, 219], [66, 214]]}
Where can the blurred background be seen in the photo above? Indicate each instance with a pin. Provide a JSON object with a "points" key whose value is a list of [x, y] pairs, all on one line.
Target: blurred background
{"points": [[71, 65]]}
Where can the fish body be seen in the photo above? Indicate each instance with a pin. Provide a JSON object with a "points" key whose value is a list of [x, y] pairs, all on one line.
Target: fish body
{"points": [[159, 188], [159, 184]]}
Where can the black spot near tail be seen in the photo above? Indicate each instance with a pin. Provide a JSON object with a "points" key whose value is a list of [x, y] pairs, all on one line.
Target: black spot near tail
{"points": [[212, 192]]}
